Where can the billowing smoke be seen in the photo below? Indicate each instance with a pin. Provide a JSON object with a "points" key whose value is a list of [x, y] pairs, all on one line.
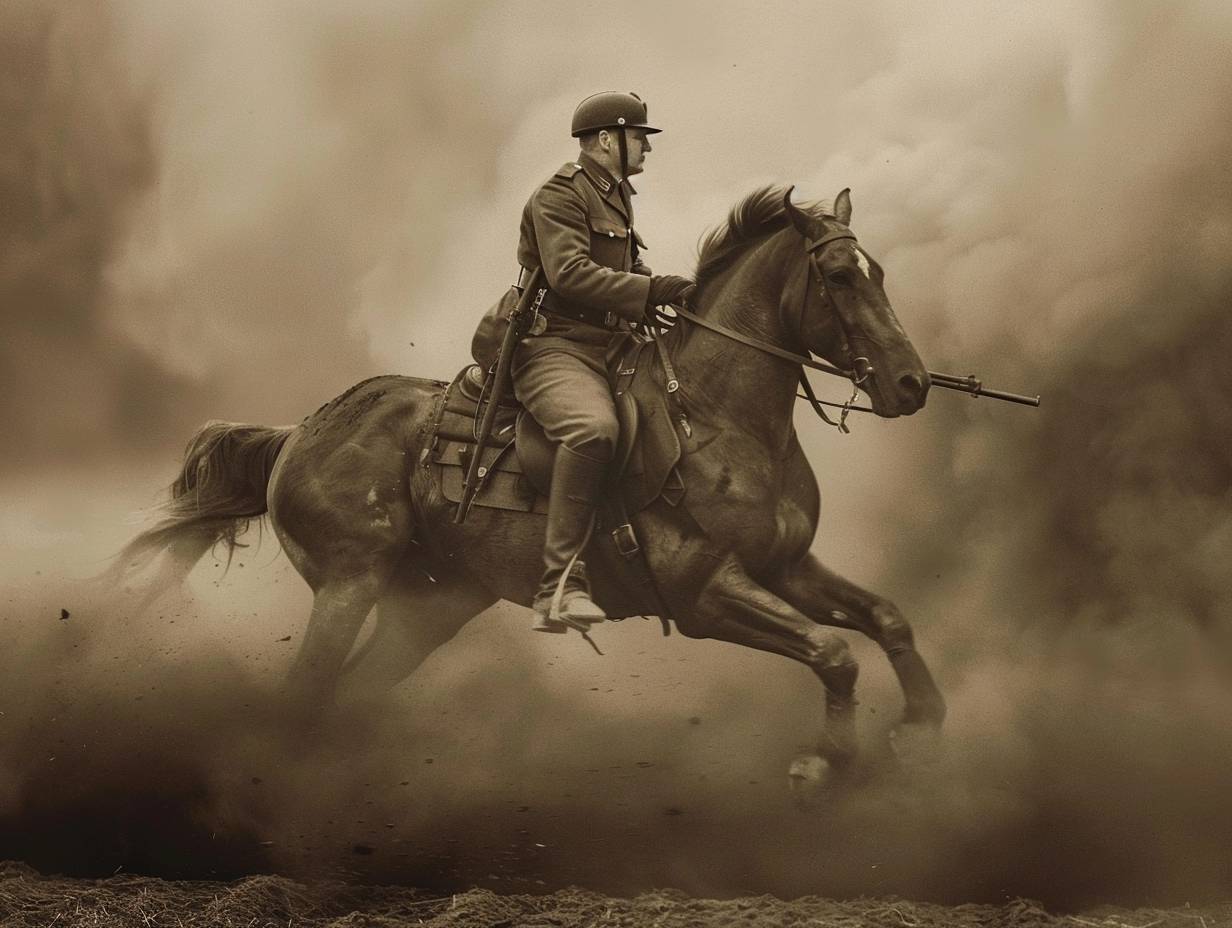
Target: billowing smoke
{"points": [[76, 155], [237, 211]]}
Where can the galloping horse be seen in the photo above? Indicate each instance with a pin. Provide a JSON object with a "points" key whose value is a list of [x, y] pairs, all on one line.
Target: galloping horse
{"points": [[366, 525]]}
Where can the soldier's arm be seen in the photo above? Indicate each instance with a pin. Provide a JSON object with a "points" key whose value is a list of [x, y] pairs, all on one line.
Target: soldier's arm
{"points": [[563, 233]]}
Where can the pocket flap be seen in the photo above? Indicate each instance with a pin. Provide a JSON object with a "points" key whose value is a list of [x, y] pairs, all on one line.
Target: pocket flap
{"points": [[608, 228]]}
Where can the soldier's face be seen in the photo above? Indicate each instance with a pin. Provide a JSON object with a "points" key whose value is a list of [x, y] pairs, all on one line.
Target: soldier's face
{"points": [[639, 145]]}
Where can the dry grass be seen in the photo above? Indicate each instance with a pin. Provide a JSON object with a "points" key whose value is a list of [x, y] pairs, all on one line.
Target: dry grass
{"points": [[31, 900]]}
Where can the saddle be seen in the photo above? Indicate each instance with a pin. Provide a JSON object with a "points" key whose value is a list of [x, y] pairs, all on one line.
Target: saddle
{"points": [[516, 470]]}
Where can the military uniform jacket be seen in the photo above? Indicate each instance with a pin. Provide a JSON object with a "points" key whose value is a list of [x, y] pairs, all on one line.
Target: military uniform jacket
{"points": [[579, 228]]}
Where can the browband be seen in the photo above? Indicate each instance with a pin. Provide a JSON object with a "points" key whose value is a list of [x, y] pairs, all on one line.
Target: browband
{"points": [[833, 236]]}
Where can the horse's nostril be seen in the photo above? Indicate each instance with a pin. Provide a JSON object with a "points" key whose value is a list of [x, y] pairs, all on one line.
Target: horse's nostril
{"points": [[911, 384]]}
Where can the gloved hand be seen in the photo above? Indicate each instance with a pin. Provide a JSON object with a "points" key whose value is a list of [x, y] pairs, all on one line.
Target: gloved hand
{"points": [[669, 288]]}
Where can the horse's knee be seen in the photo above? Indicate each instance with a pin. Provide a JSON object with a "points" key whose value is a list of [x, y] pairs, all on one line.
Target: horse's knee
{"points": [[890, 629], [831, 659]]}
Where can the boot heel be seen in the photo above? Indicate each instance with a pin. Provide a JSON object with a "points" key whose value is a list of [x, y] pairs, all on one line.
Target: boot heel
{"points": [[549, 625]]}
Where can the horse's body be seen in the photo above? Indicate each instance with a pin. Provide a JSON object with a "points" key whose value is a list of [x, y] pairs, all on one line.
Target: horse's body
{"points": [[366, 525]]}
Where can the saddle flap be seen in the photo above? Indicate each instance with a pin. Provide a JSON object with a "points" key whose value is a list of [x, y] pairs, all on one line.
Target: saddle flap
{"points": [[503, 482], [657, 450]]}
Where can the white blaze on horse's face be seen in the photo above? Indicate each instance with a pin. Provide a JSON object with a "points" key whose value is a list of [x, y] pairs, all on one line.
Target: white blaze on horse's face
{"points": [[862, 261]]}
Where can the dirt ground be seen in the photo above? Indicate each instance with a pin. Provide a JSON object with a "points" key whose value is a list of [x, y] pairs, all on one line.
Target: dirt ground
{"points": [[29, 899]]}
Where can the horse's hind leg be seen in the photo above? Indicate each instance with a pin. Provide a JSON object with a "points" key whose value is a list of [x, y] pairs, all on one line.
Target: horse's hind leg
{"points": [[830, 599], [339, 608], [416, 614]]}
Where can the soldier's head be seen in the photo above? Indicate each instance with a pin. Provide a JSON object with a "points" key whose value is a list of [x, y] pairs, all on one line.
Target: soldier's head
{"points": [[612, 128]]}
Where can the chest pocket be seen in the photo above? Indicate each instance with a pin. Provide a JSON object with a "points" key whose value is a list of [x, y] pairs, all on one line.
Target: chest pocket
{"points": [[609, 244]]}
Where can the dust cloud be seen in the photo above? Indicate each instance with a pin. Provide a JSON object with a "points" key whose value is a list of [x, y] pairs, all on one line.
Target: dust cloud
{"points": [[236, 211]]}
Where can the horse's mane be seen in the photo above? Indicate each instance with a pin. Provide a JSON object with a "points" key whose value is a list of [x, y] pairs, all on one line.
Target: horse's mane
{"points": [[753, 218]]}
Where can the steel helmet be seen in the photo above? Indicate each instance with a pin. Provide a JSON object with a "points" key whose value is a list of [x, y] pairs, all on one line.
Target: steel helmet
{"points": [[610, 109]]}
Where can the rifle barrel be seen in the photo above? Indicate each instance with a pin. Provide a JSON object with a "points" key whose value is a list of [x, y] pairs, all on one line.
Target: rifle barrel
{"points": [[974, 387]]}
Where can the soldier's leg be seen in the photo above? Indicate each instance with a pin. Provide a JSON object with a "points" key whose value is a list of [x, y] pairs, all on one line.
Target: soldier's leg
{"points": [[568, 394]]}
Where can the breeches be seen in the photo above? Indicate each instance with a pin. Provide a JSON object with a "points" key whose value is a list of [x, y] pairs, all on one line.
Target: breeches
{"points": [[563, 384]]}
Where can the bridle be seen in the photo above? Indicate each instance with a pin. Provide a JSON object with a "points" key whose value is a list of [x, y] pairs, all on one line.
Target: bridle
{"points": [[861, 368]]}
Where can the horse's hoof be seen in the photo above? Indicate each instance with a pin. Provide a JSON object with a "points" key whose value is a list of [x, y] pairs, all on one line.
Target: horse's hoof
{"points": [[809, 777], [916, 746]]}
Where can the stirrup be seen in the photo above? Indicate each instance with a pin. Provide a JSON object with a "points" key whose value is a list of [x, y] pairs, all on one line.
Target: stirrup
{"points": [[545, 623], [554, 617]]}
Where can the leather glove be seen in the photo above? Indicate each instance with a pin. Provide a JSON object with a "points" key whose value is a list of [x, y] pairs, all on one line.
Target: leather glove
{"points": [[669, 288]]}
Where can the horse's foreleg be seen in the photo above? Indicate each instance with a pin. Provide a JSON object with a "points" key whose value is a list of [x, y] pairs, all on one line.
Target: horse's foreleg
{"points": [[733, 607], [832, 600]]}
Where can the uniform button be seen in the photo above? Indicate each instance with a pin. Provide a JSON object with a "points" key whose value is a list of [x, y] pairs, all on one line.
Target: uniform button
{"points": [[611, 235]]}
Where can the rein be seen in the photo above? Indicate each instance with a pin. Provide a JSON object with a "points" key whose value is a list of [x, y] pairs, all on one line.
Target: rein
{"points": [[813, 247]]}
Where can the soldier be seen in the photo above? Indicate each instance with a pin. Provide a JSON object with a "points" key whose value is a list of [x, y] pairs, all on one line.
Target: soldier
{"points": [[578, 227]]}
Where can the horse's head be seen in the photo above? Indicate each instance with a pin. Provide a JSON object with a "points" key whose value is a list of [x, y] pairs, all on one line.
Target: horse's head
{"points": [[846, 318]]}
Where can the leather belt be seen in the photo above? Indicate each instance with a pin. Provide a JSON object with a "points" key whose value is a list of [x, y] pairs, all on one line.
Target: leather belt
{"points": [[596, 317], [558, 307]]}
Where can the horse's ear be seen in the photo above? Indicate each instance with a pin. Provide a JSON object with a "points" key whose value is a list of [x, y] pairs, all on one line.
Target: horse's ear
{"points": [[842, 207], [797, 217]]}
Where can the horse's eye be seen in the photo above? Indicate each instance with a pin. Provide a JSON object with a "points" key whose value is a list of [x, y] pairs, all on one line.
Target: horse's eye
{"points": [[841, 277]]}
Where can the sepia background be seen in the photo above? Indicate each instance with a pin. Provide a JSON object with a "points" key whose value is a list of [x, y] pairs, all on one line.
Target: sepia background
{"points": [[236, 210]]}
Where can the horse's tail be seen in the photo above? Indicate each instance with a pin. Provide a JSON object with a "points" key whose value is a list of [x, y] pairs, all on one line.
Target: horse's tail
{"points": [[220, 490]]}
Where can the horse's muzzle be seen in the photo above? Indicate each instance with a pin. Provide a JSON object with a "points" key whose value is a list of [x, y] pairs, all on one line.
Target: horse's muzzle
{"points": [[900, 397], [912, 391]]}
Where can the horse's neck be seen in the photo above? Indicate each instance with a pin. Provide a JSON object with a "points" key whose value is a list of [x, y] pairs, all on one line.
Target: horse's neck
{"points": [[737, 384]]}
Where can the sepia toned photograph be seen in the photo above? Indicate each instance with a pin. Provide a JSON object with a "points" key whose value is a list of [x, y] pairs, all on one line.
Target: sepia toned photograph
{"points": [[477, 463]]}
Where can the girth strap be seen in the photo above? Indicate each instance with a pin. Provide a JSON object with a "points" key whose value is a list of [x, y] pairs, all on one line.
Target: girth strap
{"points": [[673, 388]]}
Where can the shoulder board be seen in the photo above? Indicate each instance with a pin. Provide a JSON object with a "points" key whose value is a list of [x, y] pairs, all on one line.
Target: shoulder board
{"points": [[569, 169]]}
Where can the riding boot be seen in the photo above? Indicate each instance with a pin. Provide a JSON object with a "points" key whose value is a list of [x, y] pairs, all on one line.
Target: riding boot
{"points": [[576, 483]]}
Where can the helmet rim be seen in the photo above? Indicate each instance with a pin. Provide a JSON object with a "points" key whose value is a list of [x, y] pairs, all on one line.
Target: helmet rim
{"points": [[611, 109]]}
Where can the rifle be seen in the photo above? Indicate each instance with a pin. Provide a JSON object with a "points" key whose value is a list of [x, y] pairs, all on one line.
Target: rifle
{"points": [[972, 385], [519, 319]]}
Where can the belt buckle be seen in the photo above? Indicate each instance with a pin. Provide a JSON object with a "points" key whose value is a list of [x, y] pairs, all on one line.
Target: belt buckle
{"points": [[625, 540], [610, 320]]}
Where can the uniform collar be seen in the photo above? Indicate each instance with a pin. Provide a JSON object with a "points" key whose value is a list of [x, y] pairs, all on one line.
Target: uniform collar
{"points": [[603, 179]]}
